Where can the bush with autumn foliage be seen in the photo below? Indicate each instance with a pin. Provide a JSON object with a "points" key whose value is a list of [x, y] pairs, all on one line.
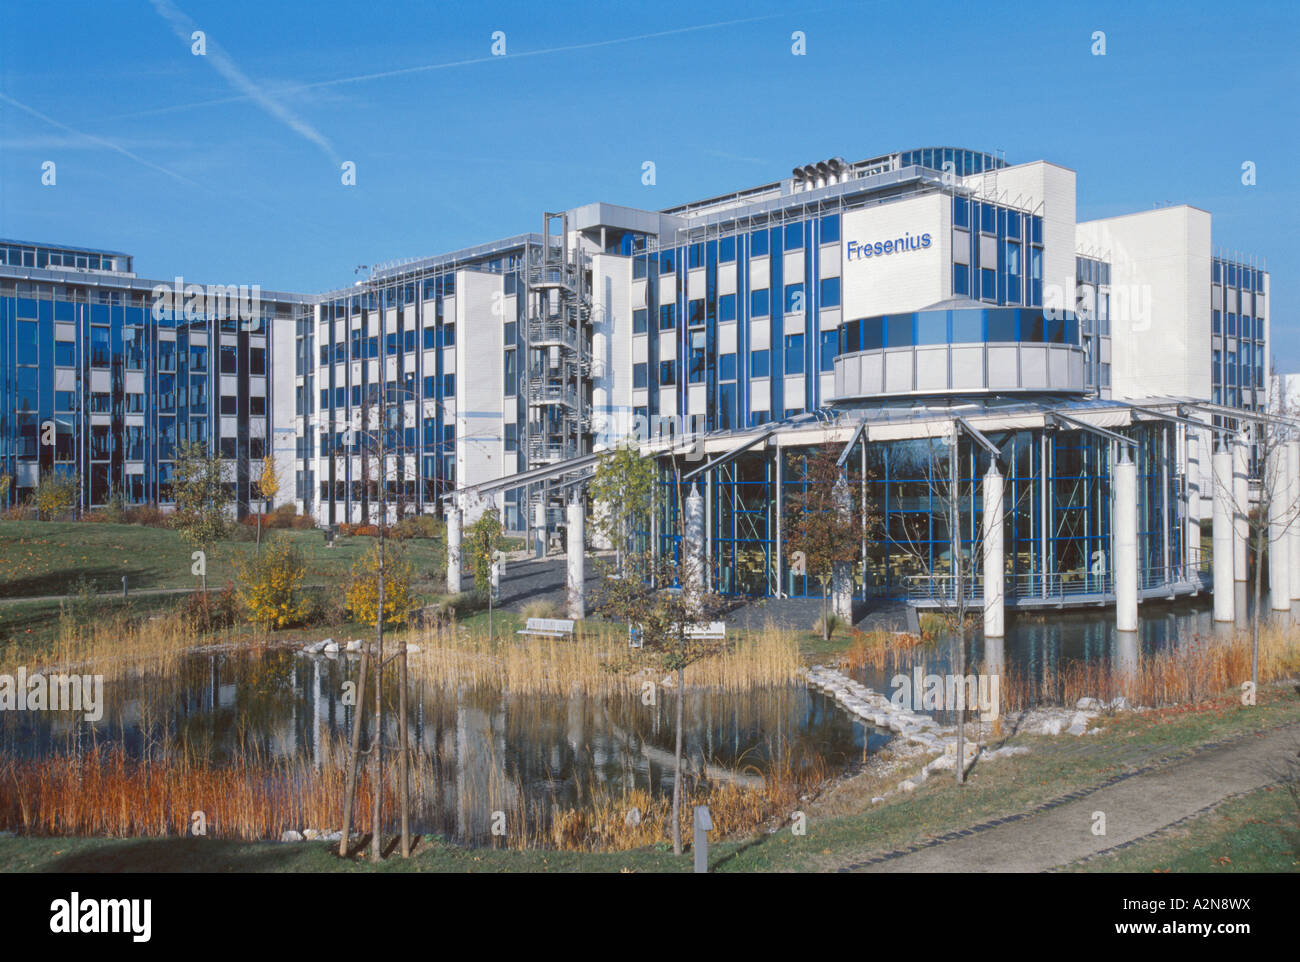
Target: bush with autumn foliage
{"points": [[270, 585], [363, 589]]}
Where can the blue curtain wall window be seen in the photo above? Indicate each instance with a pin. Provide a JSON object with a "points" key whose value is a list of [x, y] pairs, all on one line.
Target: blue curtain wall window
{"points": [[957, 327], [829, 292]]}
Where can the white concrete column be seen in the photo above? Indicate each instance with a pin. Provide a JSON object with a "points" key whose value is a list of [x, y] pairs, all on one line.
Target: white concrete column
{"points": [[1240, 509], [1224, 593], [1193, 483], [1126, 542], [842, 571], [539, 528], [1293, 523], [577, 580], [453, 550], [1277, 482], [694, 546], [994, 557]]}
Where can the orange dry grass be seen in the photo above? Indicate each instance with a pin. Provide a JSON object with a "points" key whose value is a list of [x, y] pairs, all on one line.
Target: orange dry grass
{"points": [[604, 826], [1205, 668], [879, 648], [102, 792]]}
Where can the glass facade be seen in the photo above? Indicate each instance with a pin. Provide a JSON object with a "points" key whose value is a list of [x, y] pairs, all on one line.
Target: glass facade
{"points": [[1057, 503], [347, 368], [106, 380], [716, 342]]}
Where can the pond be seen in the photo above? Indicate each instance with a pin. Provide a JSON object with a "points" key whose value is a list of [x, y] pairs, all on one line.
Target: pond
{"points": [[476, 751], [1038, 647]]}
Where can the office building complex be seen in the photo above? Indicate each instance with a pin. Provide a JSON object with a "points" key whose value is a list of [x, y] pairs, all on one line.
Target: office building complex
{"points": [[903, 307]]}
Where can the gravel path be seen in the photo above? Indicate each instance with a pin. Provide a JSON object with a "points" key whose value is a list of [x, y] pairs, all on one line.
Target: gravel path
{"points": [[1136, 804]]}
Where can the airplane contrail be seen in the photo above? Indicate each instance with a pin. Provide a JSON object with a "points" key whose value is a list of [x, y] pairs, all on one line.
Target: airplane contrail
{"points": [[94, 139], [424, 68], [184, 28]]}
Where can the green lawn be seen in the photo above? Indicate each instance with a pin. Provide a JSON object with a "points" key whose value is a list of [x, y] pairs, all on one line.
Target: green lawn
{"points": [[216, 855], [1259, 832], [40, 558]]}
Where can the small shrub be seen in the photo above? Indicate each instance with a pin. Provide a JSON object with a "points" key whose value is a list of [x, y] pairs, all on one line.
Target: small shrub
{"points": [[542, 608], [115, 512], [148, 515], [419, 526], [240, 532], [284, 517], [833, 623], [212, 611], [56, 494], [328, 607], [23, 511], [270, 585], [79, 607], [465, 603]]}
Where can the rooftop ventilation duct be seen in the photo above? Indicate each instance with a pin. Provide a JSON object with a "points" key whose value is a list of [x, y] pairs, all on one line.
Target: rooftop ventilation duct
{"points": [[823, 174]]}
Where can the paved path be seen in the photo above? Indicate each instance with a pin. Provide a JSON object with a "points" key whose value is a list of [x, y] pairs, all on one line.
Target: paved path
{"points": [[1136, 804]]}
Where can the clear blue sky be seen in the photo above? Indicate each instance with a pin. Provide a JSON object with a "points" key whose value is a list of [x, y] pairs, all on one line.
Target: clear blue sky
{"points": [[225, 168]]}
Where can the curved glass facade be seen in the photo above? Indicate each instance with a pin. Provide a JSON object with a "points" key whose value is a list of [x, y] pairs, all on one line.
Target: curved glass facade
{"points": [[1057, 503], [961, 326]]}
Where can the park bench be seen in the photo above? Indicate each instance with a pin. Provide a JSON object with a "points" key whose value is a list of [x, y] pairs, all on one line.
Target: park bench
{"points": [[548, 628], [713, 631]]}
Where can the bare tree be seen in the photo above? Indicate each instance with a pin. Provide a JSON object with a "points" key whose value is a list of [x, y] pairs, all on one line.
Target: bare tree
{"points": [[954, 600], [826, 523], [1274, 508]]}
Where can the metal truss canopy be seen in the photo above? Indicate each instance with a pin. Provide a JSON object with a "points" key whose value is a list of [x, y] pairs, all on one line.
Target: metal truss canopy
{"points": [[525, 478]]}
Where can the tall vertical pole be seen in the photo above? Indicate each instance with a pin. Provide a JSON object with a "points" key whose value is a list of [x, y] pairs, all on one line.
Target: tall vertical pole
{"points": [[694, 546], [376, 848], [1222, 534], [1044, 510], [778, 474], [1192, 484], [576, 562], [454, 525], [404, 762], [1276, 486], [863, 483], [1293, 523], [994, 558], [1126, 542], [1240, 508], [959, 598]]}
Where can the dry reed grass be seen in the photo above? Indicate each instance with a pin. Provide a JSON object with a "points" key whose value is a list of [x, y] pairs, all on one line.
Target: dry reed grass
{"points": [[115, 645], [595, 662], [878, 649], [102, 792], [1202, 669]]}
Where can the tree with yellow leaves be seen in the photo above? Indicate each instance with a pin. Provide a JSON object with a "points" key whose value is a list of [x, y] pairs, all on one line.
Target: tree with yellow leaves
{"points": [[268, 486], [363, 589], [270, 586]]}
